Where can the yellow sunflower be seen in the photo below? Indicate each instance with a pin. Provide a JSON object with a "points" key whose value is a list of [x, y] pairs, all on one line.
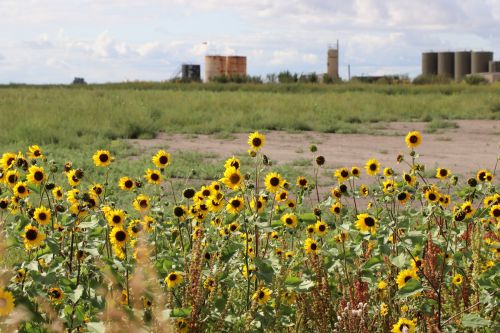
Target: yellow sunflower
{"points": [[363, 190], [96, 189], [58, 193], [260, 205], [161, 159], [495, 212], [342, 174], [36, 175], [355, 171], [409, 179], [182, 325], [372, 167], [256, 141], [444, 200], [311, 246], [4, 203], [432, 195], [273, 182], [232, 178], [115, 217], [42, 215], [21, 190], [301, 181], [118, 236], [403, 197], [6, 302], [336, 208], [232, 162], [366, 223], [209, 284], [8, 160], [457, 279], [289, 220], [321, 228], [73, 178], [56, 295], [404, 326], [413, 139], [281, 196], [235, 205], [233, 227], [404, 276], [11, 177], [442, 173], [262, 295], [102, 158], [390, 186], [388, 172], [126, 183], [173, 279], [153, 176], [142, 203], [417, 264], [32, 237], [35, 152], [481, 175]]}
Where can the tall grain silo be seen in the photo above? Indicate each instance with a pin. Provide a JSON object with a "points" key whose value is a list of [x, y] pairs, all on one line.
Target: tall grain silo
{"points": [[494, 67], [429, 63], [462, 64], [480, 61], [332, 69], [215, 66], [236, 66], [446, 64]]}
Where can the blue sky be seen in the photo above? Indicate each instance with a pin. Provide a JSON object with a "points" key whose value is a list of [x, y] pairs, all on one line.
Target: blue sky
{"points": [[116, 40]]}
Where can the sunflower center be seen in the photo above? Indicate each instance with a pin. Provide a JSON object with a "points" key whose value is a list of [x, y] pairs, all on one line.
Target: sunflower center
{"points": [[481, 175], [206, 193], [413, 139], [496, 212], [443, 172], [303, 182], [373, 167], [336, 210], [402, 196], [289, 220], [155, 176], [136, 228], [120, 236], [407, 278], [98, 190], [233, 227], [12, 179], [56, 293], [37, 153], [355, 171], [143, 204], [31, 234], [344, 173], [256, 142], [10, 161], [103, 158], [163, 159], [21, 189], [42, 216], [128, 183], [262, 294], [235, 203], [322, 228], [172, 277], [235, 164], [283, 195], [259, 204], [117, 219], [369, 221], [178, 211], [234, 178], [3, 204], [274, 181], [418, 263], [432, 196], [313, 246], [38, 175]]}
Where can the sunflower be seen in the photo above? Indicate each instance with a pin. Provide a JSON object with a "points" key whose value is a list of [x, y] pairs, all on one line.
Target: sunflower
{"points": [[58, 193], [102, 158], [142, 203], [281, 196], [432, 195], [262, 295], [403, 197], [215, 205], [388, 172], [4, 203], [232, 178], [73, 179], [413, 139], [301, 182], [8, 160], [495, 212], [404, 276], [118, 236], [173, 279], [341, 237], [481, 175], [42, 215], [235, 205], [124, 297], [291, 203], [209, 284], [442, 173], [56, 295], [232, 162], [134, 228], [153, 176], [417, 264], [6, 302], [234, 227], [363, 190], [21, 190], [32, 237], [35, 152], [96, 189], [311, 246], [256, 141], [390, 186], [381, 285], [468, 209], [289, 220], [342, 174], [489, 177], [384, 309], [336, 208], [310, 229], [248, 272], [372, 167], [444, 200], [148, 223], [182, 325], [404, 326], [366, 223], [409, 179], [273, 182], [321, 228], [126, 183], [20, 275], [36, 175], [161, 159], [355, 171], [115, 217], [457, 279]]}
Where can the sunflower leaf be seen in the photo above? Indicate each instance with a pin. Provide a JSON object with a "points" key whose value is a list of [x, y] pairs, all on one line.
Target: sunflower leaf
{"points": [[411, 288], [473, 320]]}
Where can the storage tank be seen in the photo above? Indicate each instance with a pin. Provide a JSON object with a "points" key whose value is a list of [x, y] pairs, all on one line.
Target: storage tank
{"points": [[429, 63], [480, 61], [215, 66], [446, 64], [190, 72], [462, 64], [236, 65], [333, 63], [494, 67]]}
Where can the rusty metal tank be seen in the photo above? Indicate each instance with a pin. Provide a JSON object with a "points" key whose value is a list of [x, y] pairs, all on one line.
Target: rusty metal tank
{"points": [[494, 67], [480, 61], [236, 66], [462, 64], [332, 67], [215, 66], [429, 63], [446, 64]]}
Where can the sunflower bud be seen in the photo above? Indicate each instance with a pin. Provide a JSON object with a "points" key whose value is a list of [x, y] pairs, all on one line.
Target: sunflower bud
{"points": [[472, 182], [188, 193], [50, 186], [317, 211], [412, 153], [79, 173], [313, 148], [320, 160]]}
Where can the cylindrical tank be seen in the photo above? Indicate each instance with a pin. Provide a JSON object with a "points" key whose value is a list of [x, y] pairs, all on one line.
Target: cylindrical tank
{"points": [[429, 63], [462, 64], [480, 61], [333, 63], [236, 66], [190, 72], [214, 66], [446, 64], [494, 67]]}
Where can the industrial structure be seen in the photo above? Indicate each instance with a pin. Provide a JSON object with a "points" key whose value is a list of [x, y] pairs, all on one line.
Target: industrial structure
{"points": [[457, 65], [230, 66], [190, 72], [332, 65]]}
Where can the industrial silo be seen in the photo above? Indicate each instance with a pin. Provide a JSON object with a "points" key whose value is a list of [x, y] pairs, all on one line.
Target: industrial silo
{"points": [[429, 63], [190, 72], [462, 64], [215, 66], [333, 63], [494, 67], [446, 64], [236, 66], [480, 61]]}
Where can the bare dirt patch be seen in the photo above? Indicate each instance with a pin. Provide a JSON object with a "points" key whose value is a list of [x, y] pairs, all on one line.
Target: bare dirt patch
{"points": [[472, 146]]}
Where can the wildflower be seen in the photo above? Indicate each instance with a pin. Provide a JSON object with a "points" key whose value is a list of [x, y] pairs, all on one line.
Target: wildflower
{"points": [[409, 179], [235, 205], [404, 326], [6, 302], [233, 227], [182, 325], [7, 160], [417, 264], [321, 228], [148, 223], [388, 172], [311, 246], [403, 197], [390, 186], [432, 195], [35, 152], [341, 237], [355, 171], [20, 275], [232, 162], [36, 175], [118, 236], [42, 215], [444, 200], [366, 223], [442, 173], [21, 190], [32, 237], [73, 179], [161, 159], [289, 220], [141, 203], [281, 196], [468, 209], [381, 285], [209, 284], [342, 174], [457, 279], [289, 254], [124, 297], [481, 175], [232, 178], [102, 158], [336, 208], [273, 182], [301, 181], [134, 228], [173, 279], [256, 141], [56, 295], [310, 229], [495, 212], [404, 276], [153, 176], [115, 217], [11, 177], [413, 139], [372, 167], [363, 190], [262, 295], [248, 272], [384, 309], [126, 183]]}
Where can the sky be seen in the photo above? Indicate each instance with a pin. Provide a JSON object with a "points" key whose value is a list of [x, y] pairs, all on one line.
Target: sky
{"points": [[44, 41]]}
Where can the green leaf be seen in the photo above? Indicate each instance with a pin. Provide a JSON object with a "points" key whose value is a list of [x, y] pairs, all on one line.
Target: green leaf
{"points": [[375, 261], [411, 288], [180, 312], [399, 261], [77, 294], [473, 320], [264, 270], [293, 281]]}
